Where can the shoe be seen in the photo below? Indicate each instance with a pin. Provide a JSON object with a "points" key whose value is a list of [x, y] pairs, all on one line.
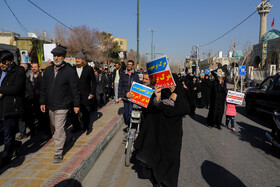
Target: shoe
{"points": [[57, 158], [21, 136], [233, 129], [218, 127], [89, 130], [17, 147]]}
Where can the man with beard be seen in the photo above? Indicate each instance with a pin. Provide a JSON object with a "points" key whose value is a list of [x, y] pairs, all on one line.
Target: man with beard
{"points": [[59, 92], [126, 79], [12, 91], [87, 86]]}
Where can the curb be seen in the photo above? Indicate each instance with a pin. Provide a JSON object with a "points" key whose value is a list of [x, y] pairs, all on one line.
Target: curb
{"points": [[82, 161]]}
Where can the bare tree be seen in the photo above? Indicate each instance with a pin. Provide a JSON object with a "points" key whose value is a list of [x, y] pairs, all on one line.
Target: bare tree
{"points": [[61, 34]]}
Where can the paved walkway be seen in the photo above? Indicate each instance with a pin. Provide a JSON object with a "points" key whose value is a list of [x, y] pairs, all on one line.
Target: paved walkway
{"points": [[37, 169]]}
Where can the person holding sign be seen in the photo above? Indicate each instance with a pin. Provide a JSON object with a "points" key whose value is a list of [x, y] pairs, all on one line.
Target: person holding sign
{"points": [[159, 142], [230, 114], [218, 98]]}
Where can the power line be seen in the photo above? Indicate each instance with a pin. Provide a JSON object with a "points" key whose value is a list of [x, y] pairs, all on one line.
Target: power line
{"points": [[231, 29], [50, 15], [21, 25]]}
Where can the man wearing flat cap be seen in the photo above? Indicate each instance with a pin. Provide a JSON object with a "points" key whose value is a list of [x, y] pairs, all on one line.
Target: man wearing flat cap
{"points": [[59, 93], [87, 86]]}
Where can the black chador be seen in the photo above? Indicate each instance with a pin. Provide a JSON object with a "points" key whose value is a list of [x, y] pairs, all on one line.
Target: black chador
{"points": [[159, 142], [206, 91], [217, 104]]}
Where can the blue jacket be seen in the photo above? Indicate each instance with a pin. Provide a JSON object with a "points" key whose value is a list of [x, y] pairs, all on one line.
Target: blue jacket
{"points": [[126, 82]]}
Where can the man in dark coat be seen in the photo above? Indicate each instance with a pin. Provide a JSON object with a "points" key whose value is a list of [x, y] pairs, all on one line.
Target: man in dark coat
{"points": [[217, 100], [12, 91], [59, 92], [126, 79], [101, 82], [87, 86]]}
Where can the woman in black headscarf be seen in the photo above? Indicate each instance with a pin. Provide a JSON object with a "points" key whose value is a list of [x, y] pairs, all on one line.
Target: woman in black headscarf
{"points": [[206, 90], [159, 141], [217, 99]]}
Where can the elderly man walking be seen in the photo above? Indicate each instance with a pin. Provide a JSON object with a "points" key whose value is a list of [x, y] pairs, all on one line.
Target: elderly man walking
{"points": [[87, 85], [59, 92]]}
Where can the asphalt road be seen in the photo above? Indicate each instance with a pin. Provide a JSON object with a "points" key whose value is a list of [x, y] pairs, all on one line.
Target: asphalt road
{"points": [[209, 157]]}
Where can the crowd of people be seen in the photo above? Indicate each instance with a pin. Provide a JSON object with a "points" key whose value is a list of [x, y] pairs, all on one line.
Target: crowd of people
{"points": [[49, 97], [43, 100]]}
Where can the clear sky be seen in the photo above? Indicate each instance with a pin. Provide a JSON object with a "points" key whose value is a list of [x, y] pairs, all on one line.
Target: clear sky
{"points": [[180, 24]]}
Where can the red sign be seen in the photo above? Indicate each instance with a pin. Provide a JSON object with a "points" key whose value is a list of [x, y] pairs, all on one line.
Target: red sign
{"points": [[140, 99], [164, 79]]}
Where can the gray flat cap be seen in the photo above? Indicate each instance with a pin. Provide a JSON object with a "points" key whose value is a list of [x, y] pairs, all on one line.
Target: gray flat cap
{"points": [[81, 55]]}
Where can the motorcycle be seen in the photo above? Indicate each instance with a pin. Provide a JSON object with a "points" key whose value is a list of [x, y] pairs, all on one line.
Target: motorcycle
{"points": [[133, 130], [274, 135]]}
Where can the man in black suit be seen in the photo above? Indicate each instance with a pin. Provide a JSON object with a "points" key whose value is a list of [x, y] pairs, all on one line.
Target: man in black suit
{"points": [[12, 91], [87, 85]]}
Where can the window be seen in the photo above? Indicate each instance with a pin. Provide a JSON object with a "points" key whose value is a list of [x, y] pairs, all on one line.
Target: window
{"points": [[266, 84], [277, 84], [121, 42]]}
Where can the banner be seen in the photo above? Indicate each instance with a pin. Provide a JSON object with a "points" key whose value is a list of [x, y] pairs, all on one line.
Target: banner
{"points": [[141, 94], [47, 51], [159, 73], [235, 97]]}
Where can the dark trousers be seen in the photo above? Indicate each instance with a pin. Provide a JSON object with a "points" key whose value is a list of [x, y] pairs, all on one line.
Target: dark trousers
{"points": [[99, 99], [9, 125], [127, 111], [230, 118], [88, 116]]}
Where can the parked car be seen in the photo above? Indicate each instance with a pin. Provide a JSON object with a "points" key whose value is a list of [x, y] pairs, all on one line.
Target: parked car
{"points": [[265, 97]]}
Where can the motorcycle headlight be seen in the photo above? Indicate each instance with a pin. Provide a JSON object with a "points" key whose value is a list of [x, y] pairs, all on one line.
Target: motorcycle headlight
{"points": [[135, 114]]}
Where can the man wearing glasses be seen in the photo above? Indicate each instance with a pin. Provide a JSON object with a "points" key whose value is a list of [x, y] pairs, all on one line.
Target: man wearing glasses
{"points": [[59, 92], [12, 90], [126, 79]]}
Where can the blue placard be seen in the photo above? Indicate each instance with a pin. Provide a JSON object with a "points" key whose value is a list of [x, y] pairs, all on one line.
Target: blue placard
{"points": [[207, 71], [242, 70], [141, 89], [157, 65]]}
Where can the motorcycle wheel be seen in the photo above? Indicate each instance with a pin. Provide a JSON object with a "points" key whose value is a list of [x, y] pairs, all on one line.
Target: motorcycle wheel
{"points": [[128, 152]]}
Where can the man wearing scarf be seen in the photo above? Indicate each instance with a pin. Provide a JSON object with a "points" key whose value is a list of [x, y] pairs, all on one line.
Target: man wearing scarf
{"points": [[59, 92], [87, 86]]}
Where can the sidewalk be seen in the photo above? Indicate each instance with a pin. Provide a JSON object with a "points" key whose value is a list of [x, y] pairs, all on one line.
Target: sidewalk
{"points": [[37, 169]]}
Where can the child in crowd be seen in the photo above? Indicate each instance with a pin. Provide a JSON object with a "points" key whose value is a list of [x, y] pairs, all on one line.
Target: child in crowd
{"points": [[230, 114]]}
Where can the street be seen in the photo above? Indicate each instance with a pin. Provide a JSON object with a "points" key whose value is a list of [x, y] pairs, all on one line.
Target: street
{"points": [[209, 157]]}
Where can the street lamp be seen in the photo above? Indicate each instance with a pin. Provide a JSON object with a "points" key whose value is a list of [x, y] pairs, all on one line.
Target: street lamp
{"points": [[152, 45]]}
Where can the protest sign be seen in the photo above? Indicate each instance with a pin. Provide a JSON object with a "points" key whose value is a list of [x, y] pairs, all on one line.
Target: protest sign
{"points": [[47, 51], [235, 97], [141, 94], [159, 73]]}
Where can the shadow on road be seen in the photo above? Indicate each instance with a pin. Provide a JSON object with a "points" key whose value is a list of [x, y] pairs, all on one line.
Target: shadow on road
{"points": [[199, 118], [216, 175], [69, 183], [256, 137]]}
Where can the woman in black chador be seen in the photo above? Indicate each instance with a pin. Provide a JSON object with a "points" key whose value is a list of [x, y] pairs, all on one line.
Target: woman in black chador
{"points": [[206, 91], [217, 100], [159, 142]]}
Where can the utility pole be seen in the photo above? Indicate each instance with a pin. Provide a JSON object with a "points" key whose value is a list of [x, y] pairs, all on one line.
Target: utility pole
{"points": [[197, 51], [137, 35], [152, 44]]}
